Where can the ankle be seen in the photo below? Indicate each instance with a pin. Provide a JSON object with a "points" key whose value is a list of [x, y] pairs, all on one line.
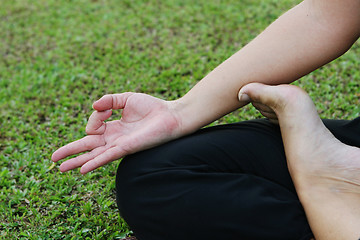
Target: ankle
{"points": [[322, 188]]}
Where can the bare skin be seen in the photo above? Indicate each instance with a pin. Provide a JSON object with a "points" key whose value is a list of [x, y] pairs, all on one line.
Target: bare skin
{"points": [[306, 37], [146, 122], [324, 170]]}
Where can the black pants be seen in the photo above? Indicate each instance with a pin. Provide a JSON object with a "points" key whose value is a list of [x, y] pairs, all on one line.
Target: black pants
{"points": [[224, 182]]}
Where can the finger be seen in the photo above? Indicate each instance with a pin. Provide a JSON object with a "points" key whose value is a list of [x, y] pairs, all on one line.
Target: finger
{"points": [[112, 101], [84, 144], [109, 155], [96, 123], [81, 160]]}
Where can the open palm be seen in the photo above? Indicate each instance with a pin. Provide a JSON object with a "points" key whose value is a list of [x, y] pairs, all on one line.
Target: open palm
{"points": [[146, 122]]}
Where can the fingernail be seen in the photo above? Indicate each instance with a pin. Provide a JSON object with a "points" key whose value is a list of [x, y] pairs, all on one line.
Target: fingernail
{"points": [[244, 97]]}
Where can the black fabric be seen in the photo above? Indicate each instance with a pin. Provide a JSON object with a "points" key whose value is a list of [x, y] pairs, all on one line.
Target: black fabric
{"points": [[224, 182]]}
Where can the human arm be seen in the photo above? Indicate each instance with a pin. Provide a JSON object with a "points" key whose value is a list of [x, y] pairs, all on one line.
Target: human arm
{"points": [[300, 41], [146, 122], [308, 36]]}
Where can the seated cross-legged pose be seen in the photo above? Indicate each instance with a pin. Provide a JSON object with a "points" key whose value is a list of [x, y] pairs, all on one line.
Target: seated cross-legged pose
{"points": [[325, 171], [230, 181]]}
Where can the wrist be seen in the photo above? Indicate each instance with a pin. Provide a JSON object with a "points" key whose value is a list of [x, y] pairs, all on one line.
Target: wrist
{"points": [[187, 124], [195, 111]]}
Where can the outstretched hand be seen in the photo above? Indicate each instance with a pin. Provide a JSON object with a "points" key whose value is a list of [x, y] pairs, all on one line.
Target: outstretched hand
{"points": [[146, 122]]}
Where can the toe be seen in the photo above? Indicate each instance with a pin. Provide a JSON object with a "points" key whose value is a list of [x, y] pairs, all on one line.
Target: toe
{"points": [[275, 97]]}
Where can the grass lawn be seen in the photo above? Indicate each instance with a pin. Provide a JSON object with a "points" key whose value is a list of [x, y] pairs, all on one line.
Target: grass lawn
{"points": [[57, 57]]}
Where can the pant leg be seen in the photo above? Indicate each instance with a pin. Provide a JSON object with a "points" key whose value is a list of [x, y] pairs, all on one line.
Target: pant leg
{"points": [[346, 131], [224, 182]]}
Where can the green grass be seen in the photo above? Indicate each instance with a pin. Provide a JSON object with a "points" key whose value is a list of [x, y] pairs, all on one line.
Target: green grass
{"points": [[57, 57]]}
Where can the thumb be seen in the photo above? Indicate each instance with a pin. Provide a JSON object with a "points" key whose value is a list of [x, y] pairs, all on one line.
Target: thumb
{"points": [[96, 123]]}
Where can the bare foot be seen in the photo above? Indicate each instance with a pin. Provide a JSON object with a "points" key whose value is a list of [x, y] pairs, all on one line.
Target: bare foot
{"points": [[326, 172]]}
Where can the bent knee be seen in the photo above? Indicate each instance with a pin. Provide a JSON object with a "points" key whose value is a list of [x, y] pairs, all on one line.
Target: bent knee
{"points": [[140, 175]]}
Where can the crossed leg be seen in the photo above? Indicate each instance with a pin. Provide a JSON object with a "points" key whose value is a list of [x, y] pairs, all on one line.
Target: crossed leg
{"points": [[326, 172]]}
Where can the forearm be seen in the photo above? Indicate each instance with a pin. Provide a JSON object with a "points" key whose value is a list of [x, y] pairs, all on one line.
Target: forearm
{"points": [[299, 42]]}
